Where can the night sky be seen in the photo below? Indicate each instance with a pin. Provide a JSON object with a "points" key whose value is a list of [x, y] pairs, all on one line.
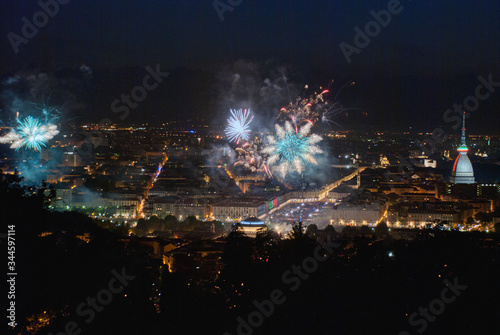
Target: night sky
{"points": [[427, 48]]}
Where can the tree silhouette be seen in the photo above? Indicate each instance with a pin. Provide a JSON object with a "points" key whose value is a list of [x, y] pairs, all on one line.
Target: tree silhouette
{"points": [[190, 223], [366, 231], [297, 232], [330, 230], [381, 230], [470, 221], [311, 230], [237, 275], [349, 232], [267, 245], [171, 222], [393, 198], [484, 218]]}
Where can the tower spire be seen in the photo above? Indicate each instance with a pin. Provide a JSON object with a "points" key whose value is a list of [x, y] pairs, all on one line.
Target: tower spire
{"points": [[463, 130], [462, 172]]}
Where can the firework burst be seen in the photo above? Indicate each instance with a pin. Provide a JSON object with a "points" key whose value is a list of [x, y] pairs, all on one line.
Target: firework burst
{"points": [[238, 125], [314, 108], [305, 109], [250, 157], [291, 149], [31, 134]]}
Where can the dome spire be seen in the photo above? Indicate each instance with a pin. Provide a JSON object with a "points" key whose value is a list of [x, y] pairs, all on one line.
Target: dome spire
{"points": [[463, 131], [462, 172]]}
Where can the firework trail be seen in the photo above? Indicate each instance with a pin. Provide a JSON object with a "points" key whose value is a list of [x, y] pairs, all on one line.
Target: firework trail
{"points": [[49, 113], [336, 107], [292, 148], [328, 115], [31, 134], [238, 125]]}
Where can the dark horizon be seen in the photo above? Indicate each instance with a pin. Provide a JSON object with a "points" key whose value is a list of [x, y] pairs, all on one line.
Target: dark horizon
{"points": [[417, 60], [427, 40]]}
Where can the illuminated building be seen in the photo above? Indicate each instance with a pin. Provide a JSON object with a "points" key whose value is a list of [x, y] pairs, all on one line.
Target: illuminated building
{"points": [[251, 226], [71, 158], [179, 207], [422, 217], [349, 214], [237, 209], [127, 212], [462, 172]]}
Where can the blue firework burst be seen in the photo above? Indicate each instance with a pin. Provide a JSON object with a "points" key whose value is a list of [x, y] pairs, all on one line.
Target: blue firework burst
{"points": [[292, 148]]}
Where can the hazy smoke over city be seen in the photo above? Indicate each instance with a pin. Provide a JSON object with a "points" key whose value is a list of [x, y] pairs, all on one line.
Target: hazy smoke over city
{"points": [[29, 92]]}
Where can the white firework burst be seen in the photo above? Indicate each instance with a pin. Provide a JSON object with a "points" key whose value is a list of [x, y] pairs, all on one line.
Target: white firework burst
{"points": [[30, 134], [238, 125]]}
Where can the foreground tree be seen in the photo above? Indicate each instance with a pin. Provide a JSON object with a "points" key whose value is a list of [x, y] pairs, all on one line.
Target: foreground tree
{"points": [[330, 230], [484, 218], [381, 230], [312, 230]]}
